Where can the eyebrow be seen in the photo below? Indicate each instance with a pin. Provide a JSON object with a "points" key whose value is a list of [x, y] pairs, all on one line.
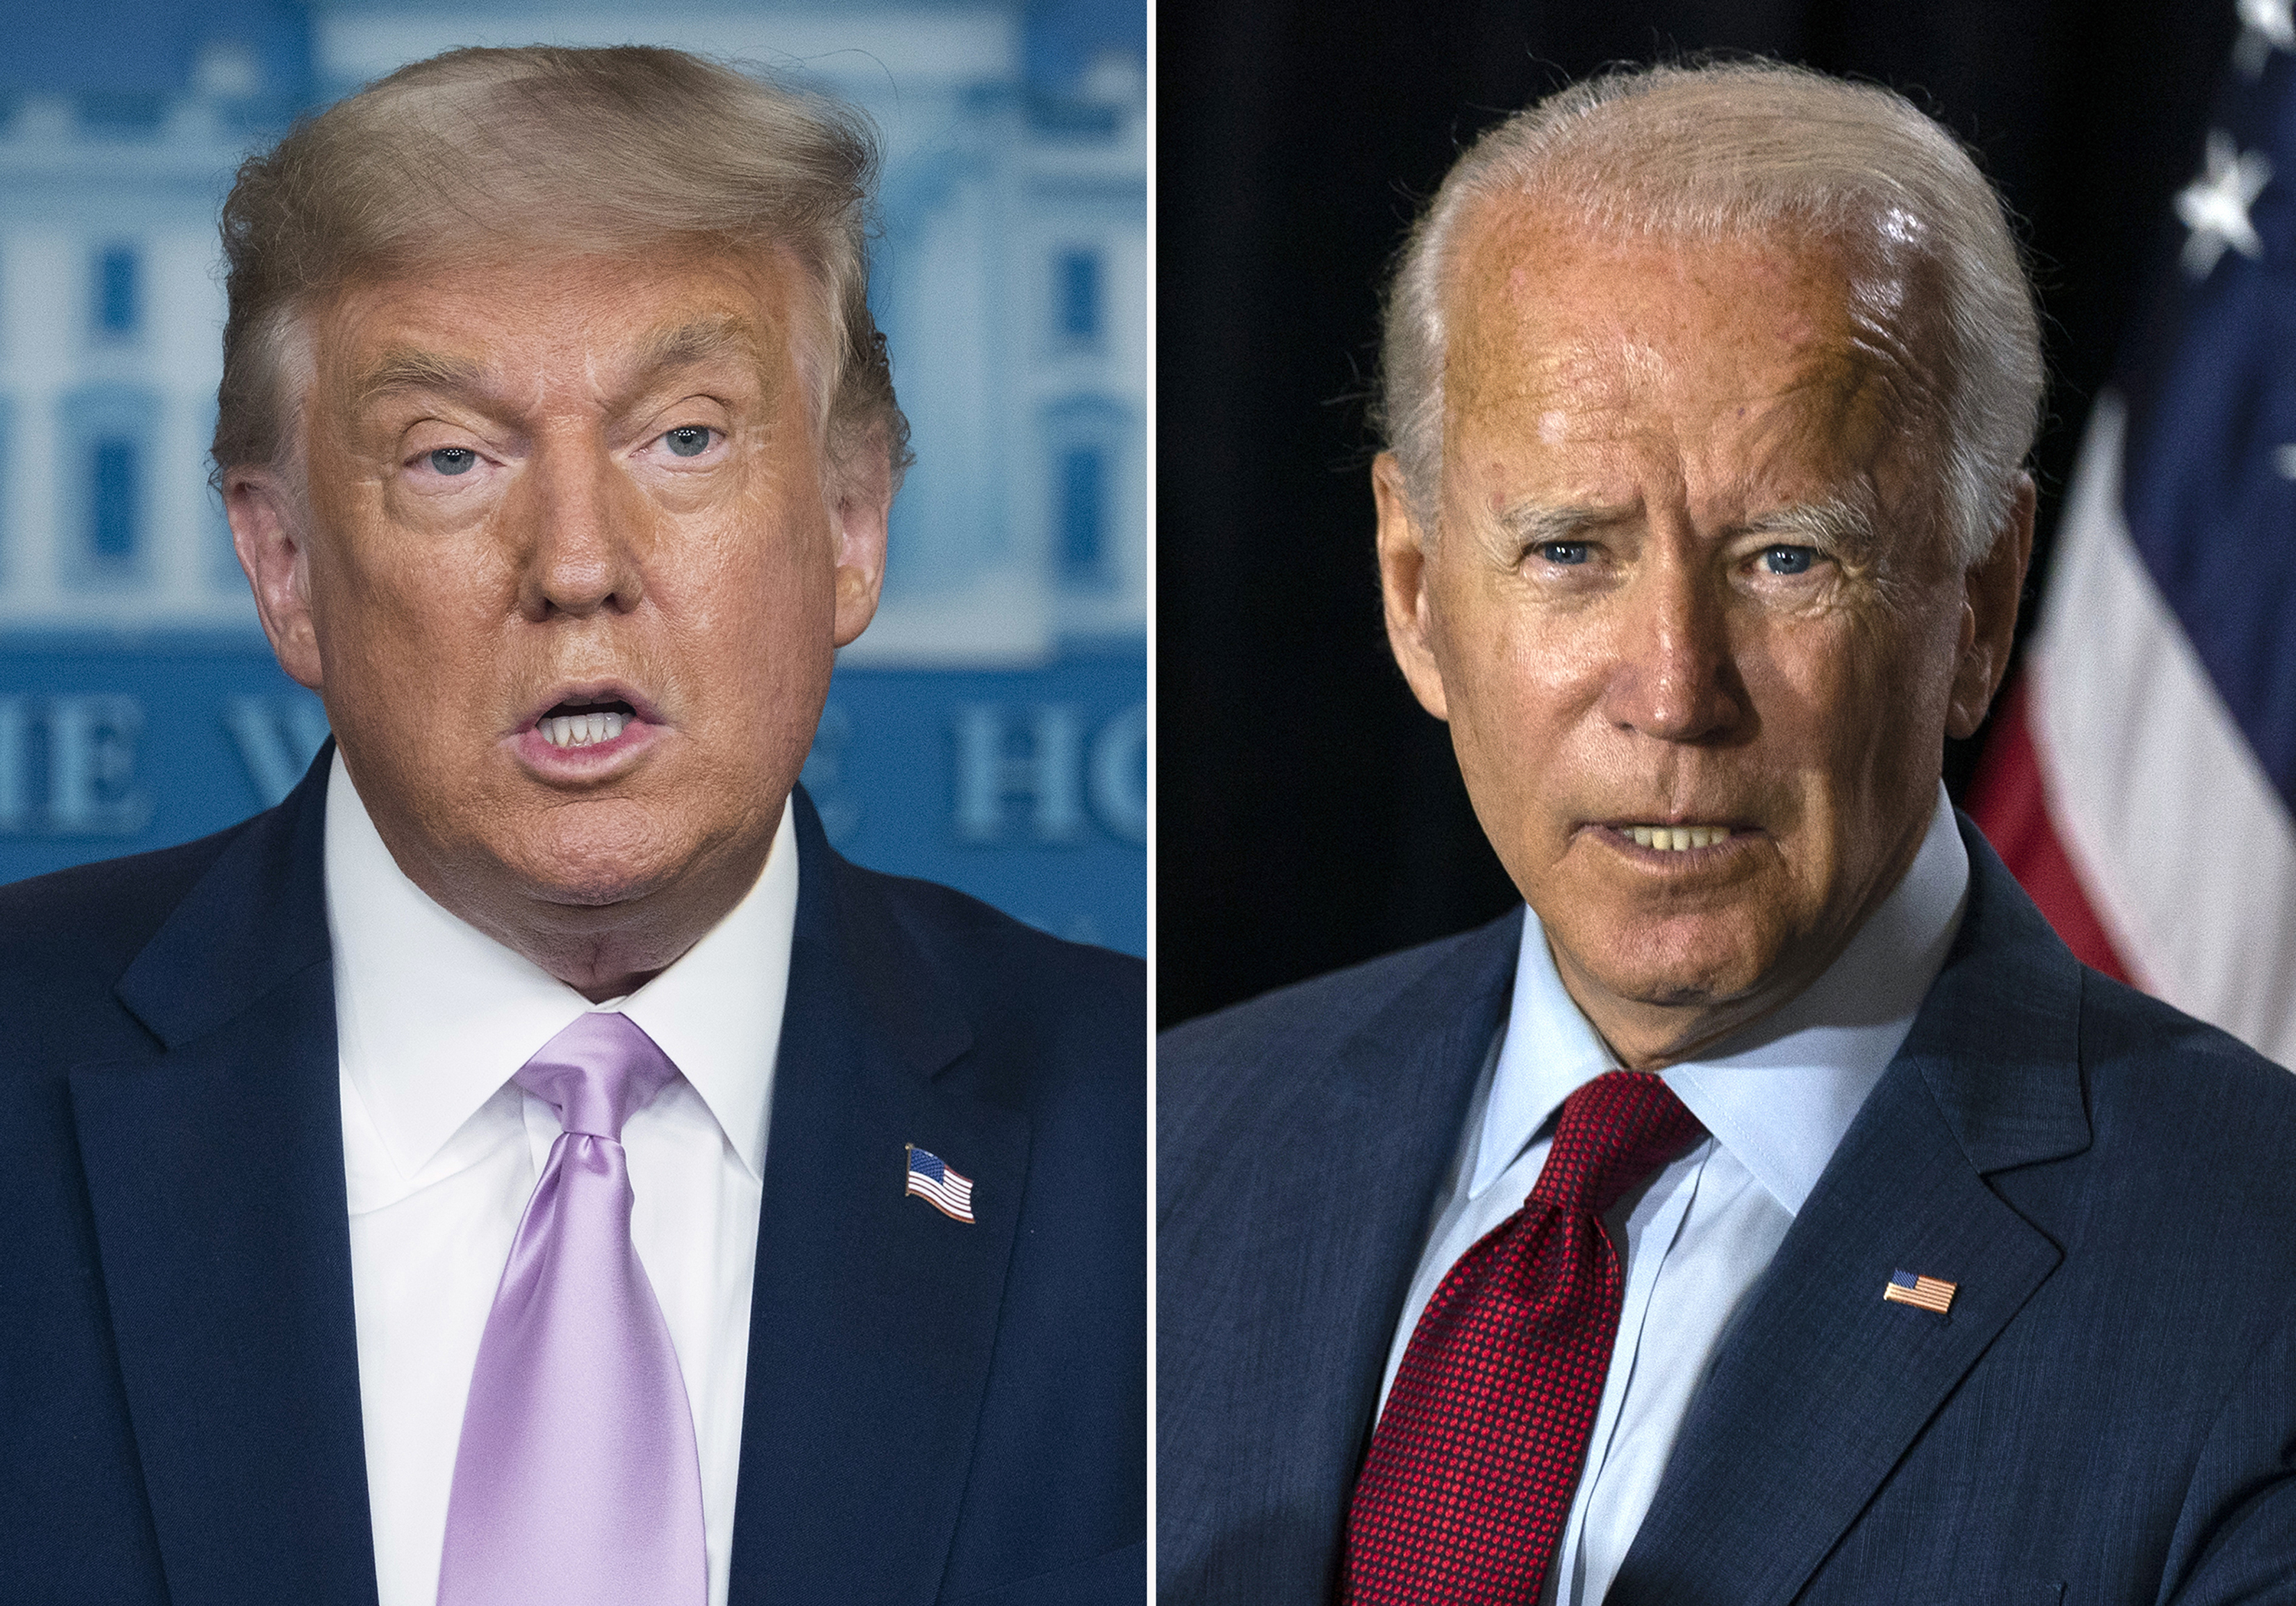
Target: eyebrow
{"points": [[1834, 522], [698, 340], [659, 351], [408, 368], [1534, 524], [1537, 526]]}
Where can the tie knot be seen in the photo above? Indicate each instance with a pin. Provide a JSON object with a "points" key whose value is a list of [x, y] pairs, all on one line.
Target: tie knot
{"points": [[1614, 1132], [597, 1073]]}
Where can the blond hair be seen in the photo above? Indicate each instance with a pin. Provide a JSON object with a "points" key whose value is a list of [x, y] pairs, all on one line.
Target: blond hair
{"points": [[476, 152], [1736, 150]]}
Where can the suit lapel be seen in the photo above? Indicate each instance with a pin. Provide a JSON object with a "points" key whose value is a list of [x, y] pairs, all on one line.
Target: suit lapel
{"points": [[216, 1175], [1820, 1386], [1321, 1191], [1399, 1092], [875, 1315]]}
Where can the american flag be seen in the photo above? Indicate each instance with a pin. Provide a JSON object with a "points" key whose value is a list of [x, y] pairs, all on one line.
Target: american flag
{"points": [[1930, 1293], [933, 1179], [2140, 781]]}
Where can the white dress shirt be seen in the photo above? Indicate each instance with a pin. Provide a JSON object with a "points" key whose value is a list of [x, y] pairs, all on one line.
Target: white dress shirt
{"points": [[441, 1152], [1777, 1099]]}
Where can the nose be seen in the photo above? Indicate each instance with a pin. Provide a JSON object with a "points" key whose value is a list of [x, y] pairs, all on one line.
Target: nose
{"points": [[584, 531], [1672, 676]]}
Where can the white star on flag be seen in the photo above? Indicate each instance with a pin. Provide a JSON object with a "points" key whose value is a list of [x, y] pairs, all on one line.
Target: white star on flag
{"points": [[2264, 26], [2215, 205]]}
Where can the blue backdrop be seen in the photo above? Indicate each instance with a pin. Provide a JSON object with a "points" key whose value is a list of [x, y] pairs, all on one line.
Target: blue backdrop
{"points": [[990, 730]]}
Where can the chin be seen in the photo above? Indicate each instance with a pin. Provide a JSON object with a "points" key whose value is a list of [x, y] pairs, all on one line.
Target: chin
{"points": [[1674, 969], [604, 885], [590, 862], [1661, 990], [604, 890]]}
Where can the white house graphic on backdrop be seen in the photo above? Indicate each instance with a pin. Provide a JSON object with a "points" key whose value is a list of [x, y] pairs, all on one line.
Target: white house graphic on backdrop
{"points": [[1011, 284]]}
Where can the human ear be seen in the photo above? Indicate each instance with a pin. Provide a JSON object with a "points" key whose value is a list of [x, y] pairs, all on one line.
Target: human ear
{"points": [[1990, 589], [859, 511], [1404, 553], [269, 531]]}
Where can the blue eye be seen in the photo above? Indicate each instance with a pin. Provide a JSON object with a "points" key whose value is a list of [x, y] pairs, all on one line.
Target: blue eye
{"points": [[1788, 560], [688, 440], [453, 460], [1563, 552]]}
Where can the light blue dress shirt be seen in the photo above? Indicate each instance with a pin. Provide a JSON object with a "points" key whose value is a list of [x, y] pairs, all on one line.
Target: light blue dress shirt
{"points": [[1777, 1099]]}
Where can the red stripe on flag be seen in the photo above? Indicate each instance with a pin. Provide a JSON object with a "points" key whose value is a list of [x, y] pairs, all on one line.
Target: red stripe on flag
{"points": [[2010, 806]]}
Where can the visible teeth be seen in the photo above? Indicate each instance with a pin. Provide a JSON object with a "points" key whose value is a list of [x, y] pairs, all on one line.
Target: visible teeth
{"points": [[1674, 839], [582, 729]]}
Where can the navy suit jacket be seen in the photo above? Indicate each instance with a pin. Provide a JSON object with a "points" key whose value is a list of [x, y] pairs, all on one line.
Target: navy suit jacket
{"points": [[934, 1411], [2107, 1413]]}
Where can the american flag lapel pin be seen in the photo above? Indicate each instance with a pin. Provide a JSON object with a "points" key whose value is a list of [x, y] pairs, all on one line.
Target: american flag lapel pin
{"points": [[1930, 1293], [940, 1183]]}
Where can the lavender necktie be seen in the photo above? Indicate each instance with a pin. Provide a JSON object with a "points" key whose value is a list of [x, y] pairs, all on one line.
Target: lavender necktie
{"points": [[577, 1482]]}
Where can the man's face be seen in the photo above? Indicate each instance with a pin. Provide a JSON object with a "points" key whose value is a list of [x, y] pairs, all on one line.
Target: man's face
{"points": [[1651, 606], [569, 580]]}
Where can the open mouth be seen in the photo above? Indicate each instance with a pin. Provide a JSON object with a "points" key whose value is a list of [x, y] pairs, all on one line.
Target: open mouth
{"points": [[584, 724], [1674, 839]]}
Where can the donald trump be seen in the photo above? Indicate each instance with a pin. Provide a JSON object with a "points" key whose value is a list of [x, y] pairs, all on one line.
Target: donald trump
{"points": [[529, 1164]]}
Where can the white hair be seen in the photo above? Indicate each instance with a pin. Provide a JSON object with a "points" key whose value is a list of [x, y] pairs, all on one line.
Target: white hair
{"points": [[1738, 151]]}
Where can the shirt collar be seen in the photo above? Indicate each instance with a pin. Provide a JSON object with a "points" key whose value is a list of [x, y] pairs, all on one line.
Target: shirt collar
{"points": [[433, 1016], [1779, 1095]]}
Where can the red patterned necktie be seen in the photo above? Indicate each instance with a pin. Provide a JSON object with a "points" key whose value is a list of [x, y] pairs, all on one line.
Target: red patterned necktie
{"points": [[1471, 1470]]}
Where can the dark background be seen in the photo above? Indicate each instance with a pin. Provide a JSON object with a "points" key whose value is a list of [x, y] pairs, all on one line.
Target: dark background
{"points": [[1309, 814]]}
